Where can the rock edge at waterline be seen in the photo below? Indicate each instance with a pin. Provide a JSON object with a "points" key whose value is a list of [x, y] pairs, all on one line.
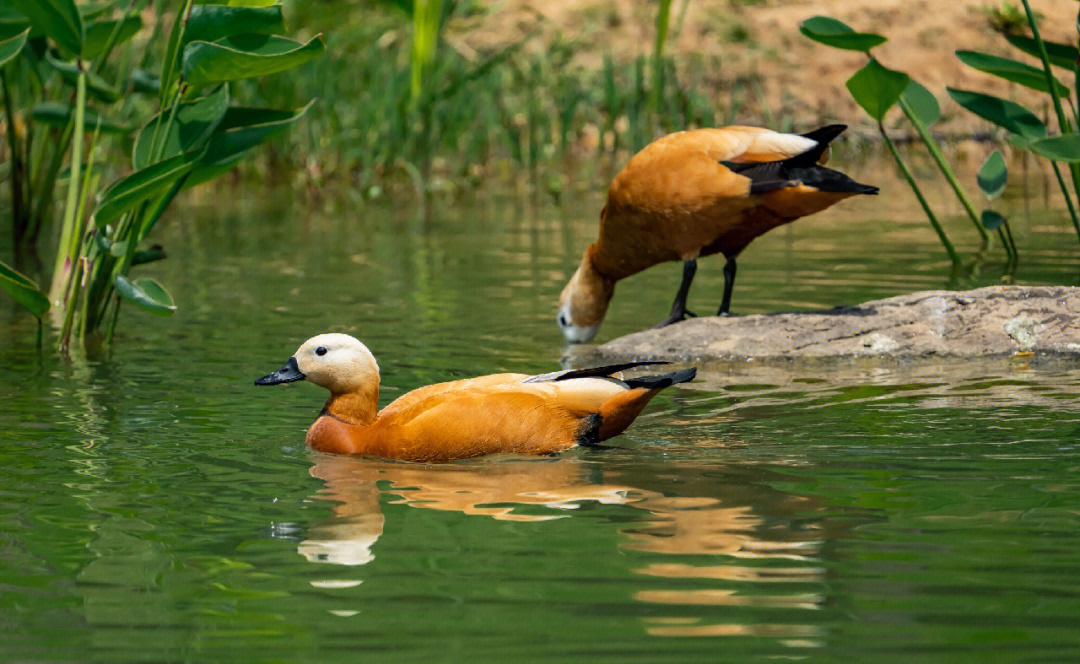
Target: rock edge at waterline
{"points": [[997, 320]]}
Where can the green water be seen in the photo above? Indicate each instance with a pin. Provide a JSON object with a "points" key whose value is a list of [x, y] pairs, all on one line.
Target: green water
{"points": [[155, 506]]}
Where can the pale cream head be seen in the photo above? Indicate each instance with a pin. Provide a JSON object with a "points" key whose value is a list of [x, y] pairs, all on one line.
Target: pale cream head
{"points": [[583, 303], [338, 362]]}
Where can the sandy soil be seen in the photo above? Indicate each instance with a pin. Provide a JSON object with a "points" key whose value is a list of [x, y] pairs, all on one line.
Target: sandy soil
{"points": [[799, 78]]}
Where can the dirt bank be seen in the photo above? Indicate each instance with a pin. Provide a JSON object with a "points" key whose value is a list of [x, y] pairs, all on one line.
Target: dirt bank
{"points": [[766, 61]]}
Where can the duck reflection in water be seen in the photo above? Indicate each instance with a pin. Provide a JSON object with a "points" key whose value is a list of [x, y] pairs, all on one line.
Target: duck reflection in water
{"points": [[765, 537]]}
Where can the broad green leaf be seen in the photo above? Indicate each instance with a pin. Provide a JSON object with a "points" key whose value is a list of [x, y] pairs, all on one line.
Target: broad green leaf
{"points": [[95, 85], [59, 19], [251, 3], [9, 48], [838, 34], [1006, 114], [877, 88], [58, 113], [130, 190], [195, 121], [145, 293], [991, 220], [1011, 70], [25, 291], [1060, 55], [1058, 148], [993, 175], [213, 22], [922, 102], [245, 56], [240, 130], [98, 34], [12, 21]]}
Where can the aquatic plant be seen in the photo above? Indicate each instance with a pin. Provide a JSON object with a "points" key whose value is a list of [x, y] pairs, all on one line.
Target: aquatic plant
{"points": [[188, 132], [877, 89]]}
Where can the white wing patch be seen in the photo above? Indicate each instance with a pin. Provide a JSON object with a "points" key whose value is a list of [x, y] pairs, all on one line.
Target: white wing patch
{"points": [[788, 145]]}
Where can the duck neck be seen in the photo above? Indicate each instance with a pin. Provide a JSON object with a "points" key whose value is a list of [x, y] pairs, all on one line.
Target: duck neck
{"points": [[359, 407]]}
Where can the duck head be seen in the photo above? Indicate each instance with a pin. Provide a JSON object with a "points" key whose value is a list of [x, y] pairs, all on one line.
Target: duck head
{"points": [[584, 302], [338, 362]]}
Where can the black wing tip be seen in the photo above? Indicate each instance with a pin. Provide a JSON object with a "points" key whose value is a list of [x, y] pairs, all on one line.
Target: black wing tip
{"points": [[661, 381], [606, 370], [825, 134]]}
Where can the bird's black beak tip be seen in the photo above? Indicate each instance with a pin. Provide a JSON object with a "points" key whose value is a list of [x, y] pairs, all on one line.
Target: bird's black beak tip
{"points": [[289, 373]]}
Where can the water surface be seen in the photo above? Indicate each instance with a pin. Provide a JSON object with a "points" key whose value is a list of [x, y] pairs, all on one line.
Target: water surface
{"points": [[155, 506]]}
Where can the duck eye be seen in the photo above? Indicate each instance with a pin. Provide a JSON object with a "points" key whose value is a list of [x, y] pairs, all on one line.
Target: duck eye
{"points": [[320, 351]]}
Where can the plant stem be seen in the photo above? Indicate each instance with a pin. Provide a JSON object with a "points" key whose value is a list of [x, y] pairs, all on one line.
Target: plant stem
{"points": [[953, 256], [1063, 120], [1068, 199], [935, 152], [19, 217], [63, 266]]}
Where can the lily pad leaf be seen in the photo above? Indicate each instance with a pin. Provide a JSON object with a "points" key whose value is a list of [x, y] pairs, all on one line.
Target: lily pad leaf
{"points": [[1059, 148], [9, 48], [24, 290], [922, 102], [1060, 55], [58, 113], [876, 88], [212, 22], [241, 129], [245, 56], [838, 34], [1011, 70], [130, 190], [59, 19], [1002, 112], [98, 34], [192, 127], [993, 175], [145, 293], [991, 220]]}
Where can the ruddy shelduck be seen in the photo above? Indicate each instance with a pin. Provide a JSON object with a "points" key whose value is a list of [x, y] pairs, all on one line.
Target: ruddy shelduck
{"points": [[698, 193], [515, 413]]}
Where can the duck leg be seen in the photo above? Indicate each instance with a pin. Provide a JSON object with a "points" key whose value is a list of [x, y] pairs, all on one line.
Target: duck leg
{"points": [[729, 285], [678, 308]]}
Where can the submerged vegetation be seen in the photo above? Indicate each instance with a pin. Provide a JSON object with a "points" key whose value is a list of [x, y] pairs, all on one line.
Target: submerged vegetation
{"points": [[90, 85]]}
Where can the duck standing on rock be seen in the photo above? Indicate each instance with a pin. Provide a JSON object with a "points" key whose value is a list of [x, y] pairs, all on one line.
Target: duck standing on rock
{"points": [[698, 193], [467, 418]]}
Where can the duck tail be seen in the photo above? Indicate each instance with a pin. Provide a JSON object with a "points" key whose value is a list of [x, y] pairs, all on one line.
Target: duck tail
{"points": [[620, 410]]}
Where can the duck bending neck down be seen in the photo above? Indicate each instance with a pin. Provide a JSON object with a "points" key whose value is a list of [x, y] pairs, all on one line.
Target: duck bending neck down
{"points": [[514, 413]]}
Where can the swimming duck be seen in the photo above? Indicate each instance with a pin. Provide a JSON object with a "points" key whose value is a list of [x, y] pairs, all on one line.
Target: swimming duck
{"points": [[464, 418], [698, 193]]}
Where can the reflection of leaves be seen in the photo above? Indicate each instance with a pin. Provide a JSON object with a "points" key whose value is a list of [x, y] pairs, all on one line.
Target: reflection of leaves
{"points": [[993, 175]]}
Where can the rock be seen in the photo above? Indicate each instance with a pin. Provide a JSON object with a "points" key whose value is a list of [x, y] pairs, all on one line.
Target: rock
{"points": [[993, 321]]}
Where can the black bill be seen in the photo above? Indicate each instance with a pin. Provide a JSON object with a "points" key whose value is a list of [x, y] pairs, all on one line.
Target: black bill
{"points": [[286, 374]]}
